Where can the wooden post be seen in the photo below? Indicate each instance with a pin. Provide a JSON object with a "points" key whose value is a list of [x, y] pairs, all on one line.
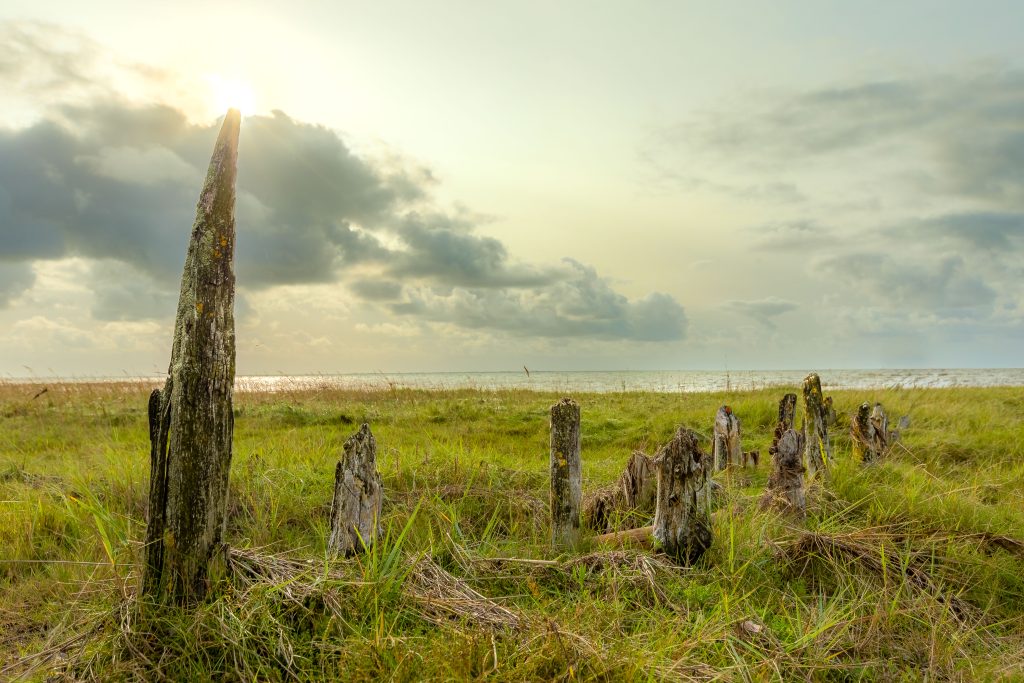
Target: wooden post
{"points": [[682, 520], [728, 452], [358, 496], [818, 448], [191, 421], [785, 488], [635, 491], [566, 476]]}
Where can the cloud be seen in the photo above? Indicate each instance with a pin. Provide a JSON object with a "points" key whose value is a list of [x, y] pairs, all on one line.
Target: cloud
{"points": [[15, 278], [583, 305], [941, 287], [101, 178], [993, 231], [762, 310], [956, 132]]}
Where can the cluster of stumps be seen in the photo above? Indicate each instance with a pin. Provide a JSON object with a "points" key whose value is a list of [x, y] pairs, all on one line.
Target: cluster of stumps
{"points": [[676, 484], [192, 424]]}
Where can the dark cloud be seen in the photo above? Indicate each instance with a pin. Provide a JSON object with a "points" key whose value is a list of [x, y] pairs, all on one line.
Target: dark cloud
{"points": [[115, 182], [762, 310], [581, 305]]}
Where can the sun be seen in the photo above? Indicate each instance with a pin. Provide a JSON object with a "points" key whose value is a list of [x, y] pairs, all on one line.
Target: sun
{"points": [[231, 93]]}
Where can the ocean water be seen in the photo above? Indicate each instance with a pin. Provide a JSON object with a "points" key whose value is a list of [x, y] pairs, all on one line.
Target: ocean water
{"points": [[661, 381], [674, 381]]}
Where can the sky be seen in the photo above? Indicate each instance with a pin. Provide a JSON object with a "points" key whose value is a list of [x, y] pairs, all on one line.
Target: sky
{"points": [[459, 186]]}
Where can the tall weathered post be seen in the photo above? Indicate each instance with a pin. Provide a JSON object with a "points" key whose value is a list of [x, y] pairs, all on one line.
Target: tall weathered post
{"points": [[566, 475], [682, 520], [728, 452], [817, 448], [190, 420]]}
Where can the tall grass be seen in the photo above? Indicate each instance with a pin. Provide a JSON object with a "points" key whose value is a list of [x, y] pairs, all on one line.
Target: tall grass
{"points": [[909, 569]]}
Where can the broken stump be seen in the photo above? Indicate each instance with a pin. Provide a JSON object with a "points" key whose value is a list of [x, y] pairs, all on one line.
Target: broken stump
{"points": [[358, 496], [632, 496], [728, 452], [817, 447], [785, 490], [682, 520]]}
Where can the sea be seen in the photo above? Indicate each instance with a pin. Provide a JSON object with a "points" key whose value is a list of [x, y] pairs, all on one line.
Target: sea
{"points": [[677, 381], [604, 381]]}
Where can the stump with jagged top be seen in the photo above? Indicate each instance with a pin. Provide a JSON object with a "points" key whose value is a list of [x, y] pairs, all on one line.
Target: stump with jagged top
{"points": [[682, 520], [190, 420], [566, 474], [358, 496], [785, 489], [817, 446], [728, 452], [870, 433], [631, 498]]}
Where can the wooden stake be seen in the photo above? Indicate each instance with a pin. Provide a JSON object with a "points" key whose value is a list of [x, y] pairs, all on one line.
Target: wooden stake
{"points": [[566, 476]]}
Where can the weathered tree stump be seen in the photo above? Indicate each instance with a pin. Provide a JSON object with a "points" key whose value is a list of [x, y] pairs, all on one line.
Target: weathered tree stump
{"points": [[862, 435], [787, 412], [190, 420], [682, 520], [870, 433], [818, 448], [358, 496], [785, 488], [566, 475], [632, 496], [728, 452], [831, 418]]}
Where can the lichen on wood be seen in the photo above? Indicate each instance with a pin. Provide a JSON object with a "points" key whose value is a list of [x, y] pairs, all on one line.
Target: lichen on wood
{"points": [[191, 419], [818, 447], [682, 519], [566, 473], [358, 496]]}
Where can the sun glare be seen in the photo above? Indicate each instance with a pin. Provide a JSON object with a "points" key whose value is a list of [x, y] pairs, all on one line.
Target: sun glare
{"points": [[232, 93]]}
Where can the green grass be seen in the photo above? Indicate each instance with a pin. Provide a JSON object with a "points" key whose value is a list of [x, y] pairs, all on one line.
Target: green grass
{"points": [[901, 571]]}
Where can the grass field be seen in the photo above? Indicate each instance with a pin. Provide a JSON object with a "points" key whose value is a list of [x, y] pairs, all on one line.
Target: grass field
{"points": [[910, 569]]}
